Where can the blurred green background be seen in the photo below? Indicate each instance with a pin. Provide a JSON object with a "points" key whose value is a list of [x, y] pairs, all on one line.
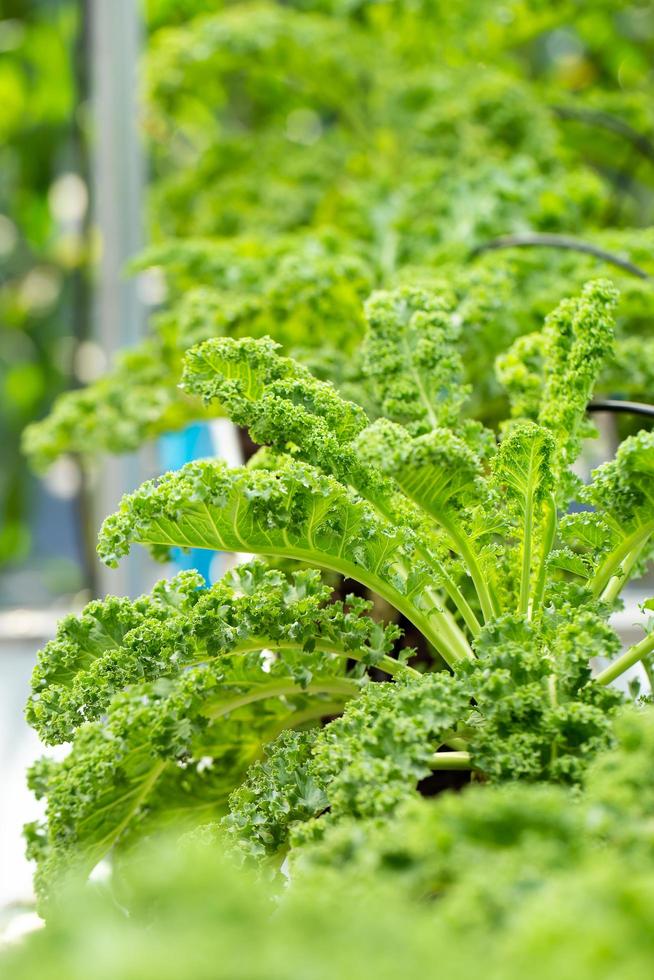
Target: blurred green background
{"points": [[44, 298]]}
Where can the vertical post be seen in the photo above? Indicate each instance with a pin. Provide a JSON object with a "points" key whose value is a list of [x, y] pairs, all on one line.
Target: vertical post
{"points": [[118, 182]]}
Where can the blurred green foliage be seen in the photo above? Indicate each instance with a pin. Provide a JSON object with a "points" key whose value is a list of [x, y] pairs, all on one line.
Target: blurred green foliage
{"points": [[43, 201], [305, 153], [530, 881]]}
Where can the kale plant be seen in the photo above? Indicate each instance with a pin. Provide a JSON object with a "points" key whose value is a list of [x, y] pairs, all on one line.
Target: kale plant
{"points": [[260, 703]]}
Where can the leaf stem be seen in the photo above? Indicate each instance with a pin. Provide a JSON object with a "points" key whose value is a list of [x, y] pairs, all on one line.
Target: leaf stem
{"points": [[447, 761], [627, 660], [449, 584], [461, 603], [618, 581], [549, 533], [647, 667], [278, 689], [455, 742], [387, 664], [525, 575], [612, 562], [488, 602], [456, 636]]}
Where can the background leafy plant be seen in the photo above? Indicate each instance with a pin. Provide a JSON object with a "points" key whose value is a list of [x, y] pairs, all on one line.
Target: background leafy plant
{"points": [[278, 133]]}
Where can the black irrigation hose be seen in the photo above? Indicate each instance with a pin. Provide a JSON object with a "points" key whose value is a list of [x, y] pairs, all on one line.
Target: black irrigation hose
{"points": [[616, 405], [558, 241], [605, 120]]}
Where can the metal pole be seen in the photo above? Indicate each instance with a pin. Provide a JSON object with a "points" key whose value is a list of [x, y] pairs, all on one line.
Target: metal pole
{"points": [[118, 183]]}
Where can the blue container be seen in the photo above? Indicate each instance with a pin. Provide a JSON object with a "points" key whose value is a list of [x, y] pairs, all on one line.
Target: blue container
{"points": [[175, 449]]}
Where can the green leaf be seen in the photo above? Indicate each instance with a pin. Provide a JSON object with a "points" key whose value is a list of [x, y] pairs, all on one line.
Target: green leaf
{"points": [[622, 490], [411, 359], [292, 511], [443, 475], [550, 376], [142, 760], [578, 339], [522, 468], [279, 401], [181, 625], [362, 764]]}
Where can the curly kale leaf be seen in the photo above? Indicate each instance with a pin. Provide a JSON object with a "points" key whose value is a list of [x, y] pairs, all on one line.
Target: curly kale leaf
{"points": [[277, 793], [279, 401], [380, 747], [362, 764], [622, 492], [551, 376], [165, 720], [170, 750], [292, 510], [410, 356], [116, 643], [285, 408], [523, 469], [538, 715]]}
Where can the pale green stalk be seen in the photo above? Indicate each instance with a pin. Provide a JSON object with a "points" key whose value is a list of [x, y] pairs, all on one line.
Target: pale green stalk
{"points": [[447, 761], [549, 534], [488, 601], [618, 582], [627, 660], [525, 575], [610, 565]]}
